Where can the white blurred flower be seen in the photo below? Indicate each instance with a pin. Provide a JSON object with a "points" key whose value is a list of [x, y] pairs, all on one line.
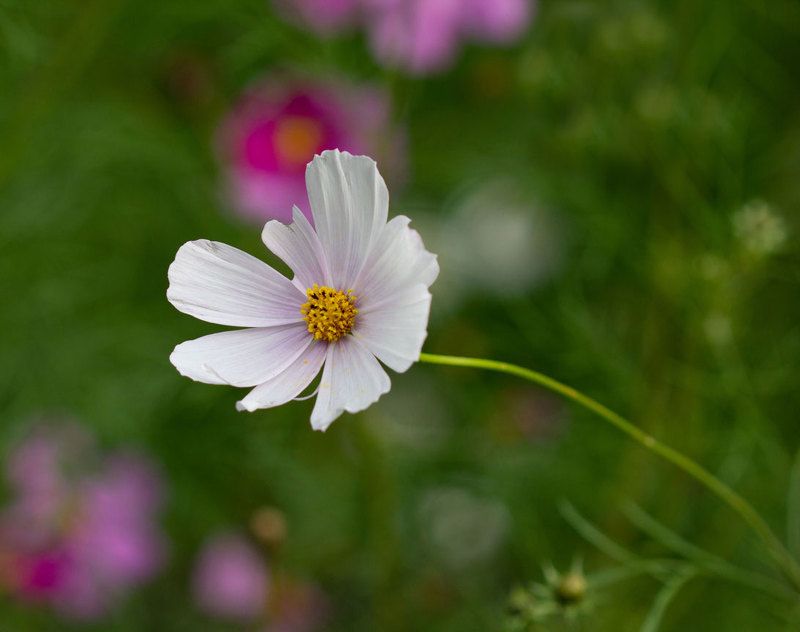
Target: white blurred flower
{"points": [[760, 229], [497, 242], [461, 528], [413, 416], [359, 295], [718, 329]]}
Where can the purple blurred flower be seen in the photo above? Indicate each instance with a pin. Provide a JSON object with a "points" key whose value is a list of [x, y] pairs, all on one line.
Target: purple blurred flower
{"points": [[419, 36], [230, 579], [78, 537], [269, 138], [423, 36], [497, 20], [322, 16]]}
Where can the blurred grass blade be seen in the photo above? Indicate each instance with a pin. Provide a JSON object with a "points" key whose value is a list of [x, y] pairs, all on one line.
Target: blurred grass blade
{"points": [[594, 536], [793, 508], [655, 568], [667, 536], [664, 597], [702, 558], [783, 559]]}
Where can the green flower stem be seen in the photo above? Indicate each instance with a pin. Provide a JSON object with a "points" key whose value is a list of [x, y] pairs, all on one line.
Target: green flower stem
{"points": [[781, 555]]}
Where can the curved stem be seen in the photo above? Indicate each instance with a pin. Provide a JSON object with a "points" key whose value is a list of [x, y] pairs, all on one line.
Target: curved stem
{"points": [[780, 554]]}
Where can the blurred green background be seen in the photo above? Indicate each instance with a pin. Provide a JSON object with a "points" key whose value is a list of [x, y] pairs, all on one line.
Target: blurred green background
{"points": [[651, 150]]}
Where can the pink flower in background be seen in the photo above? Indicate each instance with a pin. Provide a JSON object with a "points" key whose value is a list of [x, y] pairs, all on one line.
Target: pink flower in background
{"points": [[230, 579], [322, 16], [267, 140], [423, 36], [419, 36], [498, 21], [81, 530]]}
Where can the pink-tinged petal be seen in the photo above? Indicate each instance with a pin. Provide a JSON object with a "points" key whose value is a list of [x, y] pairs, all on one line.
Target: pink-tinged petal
{"points": [[118, 553], [114, 533], [299, 247], [83, 597], [395, 330], [498, 20], [135, 484], [397, 262], [261, 195], [350, 204], [419, 36], [40, 576], [223, 285], [286, 385], [351, 381], [246, 357]]}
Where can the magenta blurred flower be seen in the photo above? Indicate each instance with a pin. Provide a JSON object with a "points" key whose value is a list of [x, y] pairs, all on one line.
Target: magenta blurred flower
{"points": [[81, 530], [269, 138], [322, 16], [230, 579]]}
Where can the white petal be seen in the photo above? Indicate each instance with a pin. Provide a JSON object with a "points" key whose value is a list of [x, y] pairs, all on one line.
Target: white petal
{"points": [[350, 204], [395, 330], [223, 285], [299, 247], [245, 357], [397, 262], [351, 380], [286, 385]]}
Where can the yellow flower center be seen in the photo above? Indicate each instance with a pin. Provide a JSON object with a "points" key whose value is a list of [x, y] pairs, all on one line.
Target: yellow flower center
{"points": [[296, 139], [330, 313]]}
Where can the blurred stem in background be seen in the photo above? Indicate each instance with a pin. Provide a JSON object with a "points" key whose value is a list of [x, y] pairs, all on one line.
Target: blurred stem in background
{"points": [[780, 554]]}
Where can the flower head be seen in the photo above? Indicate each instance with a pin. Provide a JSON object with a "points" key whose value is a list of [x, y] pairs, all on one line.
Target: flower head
{"points": [[267, 140], [563, 596], [77, 537], [418, 36], [359, 295], [423, 36]]}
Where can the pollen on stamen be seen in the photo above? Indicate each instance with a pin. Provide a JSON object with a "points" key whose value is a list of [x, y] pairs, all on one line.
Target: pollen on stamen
{"points": [[330, 313]]}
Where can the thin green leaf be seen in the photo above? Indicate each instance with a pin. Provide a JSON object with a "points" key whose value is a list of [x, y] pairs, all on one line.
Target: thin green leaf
{"points": [[664, 597], [793, 508], [654, 568], [667, 536], [593, 535], [706, 560]]}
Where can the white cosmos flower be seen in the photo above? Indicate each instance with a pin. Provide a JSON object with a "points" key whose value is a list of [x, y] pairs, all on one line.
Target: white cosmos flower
{"points": [[359, 295]]}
